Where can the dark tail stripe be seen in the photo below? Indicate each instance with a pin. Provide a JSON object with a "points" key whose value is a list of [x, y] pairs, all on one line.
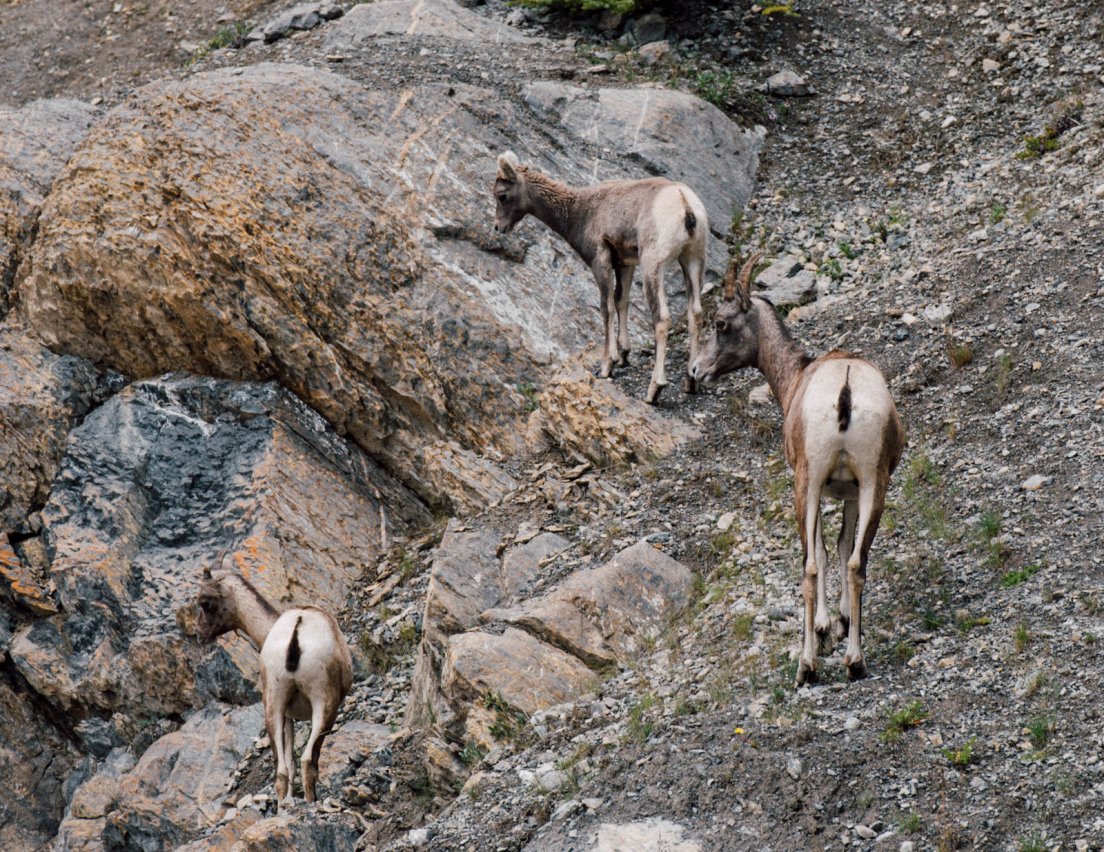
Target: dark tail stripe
{"points": [[844, 404], [689, 219], [294, 651]]}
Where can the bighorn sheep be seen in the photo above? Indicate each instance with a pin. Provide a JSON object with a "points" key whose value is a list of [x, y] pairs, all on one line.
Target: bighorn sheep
{"points": [[842, 437], [615, 226], [306, 666]]}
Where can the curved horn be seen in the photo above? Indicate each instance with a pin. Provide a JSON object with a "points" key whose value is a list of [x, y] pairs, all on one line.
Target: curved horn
{"points": [[730, 281], [745, 279]]}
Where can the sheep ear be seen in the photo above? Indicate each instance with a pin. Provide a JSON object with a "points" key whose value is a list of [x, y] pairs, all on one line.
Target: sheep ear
{"points": [[507, 166], [206, 573]]}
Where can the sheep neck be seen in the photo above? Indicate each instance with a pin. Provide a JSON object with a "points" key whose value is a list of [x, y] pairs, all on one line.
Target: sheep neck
{"points": [[561, 208], [781, 358], [255, 614]]}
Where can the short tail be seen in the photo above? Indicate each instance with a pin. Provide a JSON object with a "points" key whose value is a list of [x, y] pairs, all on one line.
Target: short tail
{"points": [[844, 404], [688, 217], [294, 651]]}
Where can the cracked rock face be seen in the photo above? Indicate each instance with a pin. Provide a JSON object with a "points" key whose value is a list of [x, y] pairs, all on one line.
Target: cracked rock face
{"points": [[155, 484]]}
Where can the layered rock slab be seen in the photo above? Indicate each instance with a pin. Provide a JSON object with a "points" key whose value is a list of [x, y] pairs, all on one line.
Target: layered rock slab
{"points": [[158, 481], [441, 18], [468, 676]]}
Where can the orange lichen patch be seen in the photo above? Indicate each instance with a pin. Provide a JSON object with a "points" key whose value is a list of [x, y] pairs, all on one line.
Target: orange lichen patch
{"points": [[25, 587]]}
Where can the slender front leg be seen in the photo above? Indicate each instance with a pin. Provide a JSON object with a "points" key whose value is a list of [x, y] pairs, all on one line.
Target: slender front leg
{"points": [[604, 276], [624, 287], [692, 270], [661, 325]]}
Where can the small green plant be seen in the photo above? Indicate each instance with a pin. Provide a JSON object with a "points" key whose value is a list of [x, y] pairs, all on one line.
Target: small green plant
{"points": [[640, 728], [226, 37], [1039, 730], [742, 626], [832, 269], [989, 526], [717, 87], [784, 9], [529, 392], [1002, 374], [997, 213], [1021, 637], [959, 352], [910, 823], [847, 251], [904, 651], [899, 721], [1034, 842], [969, 622], [471, 753], [509, 721], [1020, 575], [963, 755]]}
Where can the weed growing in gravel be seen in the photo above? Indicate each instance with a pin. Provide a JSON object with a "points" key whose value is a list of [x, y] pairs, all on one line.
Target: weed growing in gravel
{"points": [[1039, 730], [989, 529], [832, 269], [640, 729], [847, 250], [899, 721], [963, 755], [743, 625], [1002, 376], [717, 87], [910, 823], [959, 353], [1021, 637], [1020, 575], [904, 651], [1034, 842], [226, 37], [923, 492], [997, 213], [784, 9], [968, 622]]}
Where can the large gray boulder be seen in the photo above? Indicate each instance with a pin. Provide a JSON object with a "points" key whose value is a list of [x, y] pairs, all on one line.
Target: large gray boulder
{"points": [[442, 18]]}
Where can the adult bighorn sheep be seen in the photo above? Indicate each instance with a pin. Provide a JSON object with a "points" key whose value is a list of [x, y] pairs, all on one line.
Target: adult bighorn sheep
{"points": [[615, 226], [842, 437], [306, 666]]}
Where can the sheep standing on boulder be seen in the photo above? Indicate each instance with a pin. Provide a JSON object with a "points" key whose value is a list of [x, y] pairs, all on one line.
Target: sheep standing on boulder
{"points": [[306, 666], [614, 227], [843, 439]]}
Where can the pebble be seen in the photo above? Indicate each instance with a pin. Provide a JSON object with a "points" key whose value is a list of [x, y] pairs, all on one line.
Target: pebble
{"points": [[1034, 482]]}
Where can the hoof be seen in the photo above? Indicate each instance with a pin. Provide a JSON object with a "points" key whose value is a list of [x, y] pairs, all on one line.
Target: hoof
{"points": [[654, 390], [623, 361], [806, 674], [690, 384], [856, 670], [606, 370]]}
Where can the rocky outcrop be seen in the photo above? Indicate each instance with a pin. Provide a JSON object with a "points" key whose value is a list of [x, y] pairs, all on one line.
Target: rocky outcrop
{"points": [[594, 418], [282, 222], [471, 681], [42, 395], [156, 482], [177, 788], [35, 142], [441, 18]]}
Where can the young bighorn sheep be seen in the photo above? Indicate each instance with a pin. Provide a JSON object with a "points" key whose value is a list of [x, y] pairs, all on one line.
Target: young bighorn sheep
{"points": [[306, 666], [842, 437], [614, 227]]}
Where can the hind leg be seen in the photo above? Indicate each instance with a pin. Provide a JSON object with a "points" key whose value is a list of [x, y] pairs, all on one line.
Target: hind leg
{"points": [[323, 715], [661, 325], [624, 286], [692, 269], [846, 545]]}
